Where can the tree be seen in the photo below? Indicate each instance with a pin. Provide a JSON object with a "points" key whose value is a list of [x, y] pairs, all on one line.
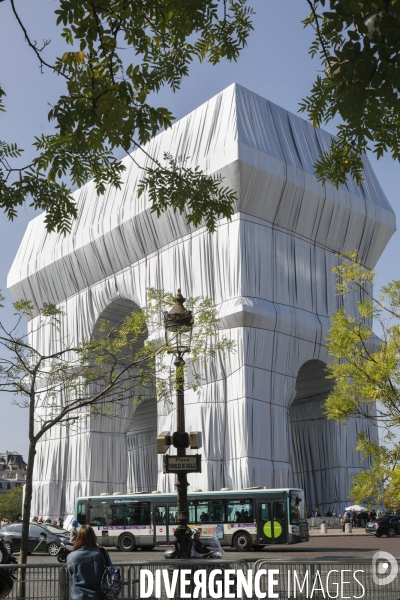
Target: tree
{"points": [[123, 363], [106, 104], [366, 370], [358, 44], [11, 504]]}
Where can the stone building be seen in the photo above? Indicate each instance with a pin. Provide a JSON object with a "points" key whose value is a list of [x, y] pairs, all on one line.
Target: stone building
{"points": [[12, 470]]}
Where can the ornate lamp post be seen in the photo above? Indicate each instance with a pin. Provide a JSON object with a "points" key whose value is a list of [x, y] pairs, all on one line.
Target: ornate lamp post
{"points": [[178, 333]]}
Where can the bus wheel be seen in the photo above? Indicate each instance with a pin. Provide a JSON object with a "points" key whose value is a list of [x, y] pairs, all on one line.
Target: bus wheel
{"points": [[242, 542], [126, 542]]}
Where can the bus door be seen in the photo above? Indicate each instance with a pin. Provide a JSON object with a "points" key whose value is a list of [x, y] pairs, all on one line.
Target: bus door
{"points": [[272, 522], [160, 524]]}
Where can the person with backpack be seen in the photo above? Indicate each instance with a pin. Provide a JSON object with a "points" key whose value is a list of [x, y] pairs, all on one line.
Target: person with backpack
{"points": [[92, 572]]}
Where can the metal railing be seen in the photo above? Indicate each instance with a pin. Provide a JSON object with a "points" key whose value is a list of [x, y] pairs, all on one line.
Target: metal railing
{"points": [[353, 578], [344, 578], [52, 582], [331, 522]]}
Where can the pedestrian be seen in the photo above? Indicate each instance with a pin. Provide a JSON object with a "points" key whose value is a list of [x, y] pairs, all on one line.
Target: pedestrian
{"points": [[86, 565], [73, 534], [345, 519], [61, 521], [353, 518]]}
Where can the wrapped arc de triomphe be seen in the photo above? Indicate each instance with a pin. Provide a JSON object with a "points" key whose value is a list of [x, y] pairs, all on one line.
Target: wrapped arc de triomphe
{"points": [[269, 270]]}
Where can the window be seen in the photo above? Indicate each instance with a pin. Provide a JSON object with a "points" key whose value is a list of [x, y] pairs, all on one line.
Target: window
{"points": [[18, 528], [81, 516], [297, 508], [210, 511], [239, 511], [264, 512], [35, 531], [160, 515], [192, 513], [100, 514], [133, 514]]}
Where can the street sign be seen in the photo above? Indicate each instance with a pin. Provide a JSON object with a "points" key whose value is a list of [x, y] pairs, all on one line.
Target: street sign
{"points": [[182, 464]]}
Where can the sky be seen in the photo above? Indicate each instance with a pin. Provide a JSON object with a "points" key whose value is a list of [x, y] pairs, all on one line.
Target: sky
{"points": [[275, 65]]}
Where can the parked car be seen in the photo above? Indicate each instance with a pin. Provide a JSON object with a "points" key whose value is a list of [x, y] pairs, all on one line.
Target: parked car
{"points": [[42, 538], [389, 526]]}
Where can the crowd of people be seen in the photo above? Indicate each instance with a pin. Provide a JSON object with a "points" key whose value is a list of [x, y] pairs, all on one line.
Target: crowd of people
{"points": [[360, 518], [57, 522], [39, 520], [8, 522]]}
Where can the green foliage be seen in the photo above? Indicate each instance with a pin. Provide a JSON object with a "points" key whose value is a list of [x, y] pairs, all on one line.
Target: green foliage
{"points": [[201, 195], [367, 374], [11, 504], [127, 362], [358, 46], [108, 102]]}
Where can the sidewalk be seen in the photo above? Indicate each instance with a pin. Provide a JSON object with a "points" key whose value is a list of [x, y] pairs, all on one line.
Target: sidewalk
{"points": [[338, 533]]}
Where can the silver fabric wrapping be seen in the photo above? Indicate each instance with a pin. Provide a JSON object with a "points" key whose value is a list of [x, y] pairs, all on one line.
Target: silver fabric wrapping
{"points": [[270, 272]]}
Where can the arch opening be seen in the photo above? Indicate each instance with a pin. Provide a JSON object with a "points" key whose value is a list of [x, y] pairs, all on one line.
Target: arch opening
{"points": [[313, 452], [126, 442]]}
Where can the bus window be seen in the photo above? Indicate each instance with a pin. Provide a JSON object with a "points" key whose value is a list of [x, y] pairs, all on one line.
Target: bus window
{"points": [[280, 512], [172, 518], [210, 511], [239, 511], [297, 508], [137, 514], [160, 515], [100, 514], [172, 514], [81, 513]]}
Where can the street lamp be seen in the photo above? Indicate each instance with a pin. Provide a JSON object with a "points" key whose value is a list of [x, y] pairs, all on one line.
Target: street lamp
{"points": [[178, 334]]}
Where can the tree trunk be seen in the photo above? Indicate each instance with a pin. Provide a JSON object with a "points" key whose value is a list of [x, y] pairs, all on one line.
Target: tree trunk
{"points": [[26, 513]]}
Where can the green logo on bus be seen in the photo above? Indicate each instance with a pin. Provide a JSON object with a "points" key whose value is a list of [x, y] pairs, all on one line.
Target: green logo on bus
{"points": [[267, 529]]}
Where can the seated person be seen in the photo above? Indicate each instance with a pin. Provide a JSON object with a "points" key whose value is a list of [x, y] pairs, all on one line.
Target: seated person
{"points": [[204, 517], [279, 512], [198, 550]]}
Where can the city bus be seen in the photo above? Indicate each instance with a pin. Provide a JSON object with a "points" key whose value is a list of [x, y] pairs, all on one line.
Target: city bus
{"points": [[245, 519]]}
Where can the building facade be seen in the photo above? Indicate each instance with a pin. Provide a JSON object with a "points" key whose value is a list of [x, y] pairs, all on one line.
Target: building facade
{"points": [[12, 470], [269, 271]]}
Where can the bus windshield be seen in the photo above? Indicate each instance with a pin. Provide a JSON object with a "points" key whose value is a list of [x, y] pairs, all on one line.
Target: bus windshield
{"points": [[297, 508]]}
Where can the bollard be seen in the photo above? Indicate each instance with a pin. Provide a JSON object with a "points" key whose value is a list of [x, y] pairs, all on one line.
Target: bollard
{"points": [[324, 528], [348, 528]]}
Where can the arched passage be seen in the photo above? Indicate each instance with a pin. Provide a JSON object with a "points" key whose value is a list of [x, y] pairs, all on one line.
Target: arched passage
{"points": [[117, 452], [142, 450], [313, 450]]}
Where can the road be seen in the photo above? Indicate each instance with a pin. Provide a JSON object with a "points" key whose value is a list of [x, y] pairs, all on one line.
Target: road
{"points": [[336, 547]]}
